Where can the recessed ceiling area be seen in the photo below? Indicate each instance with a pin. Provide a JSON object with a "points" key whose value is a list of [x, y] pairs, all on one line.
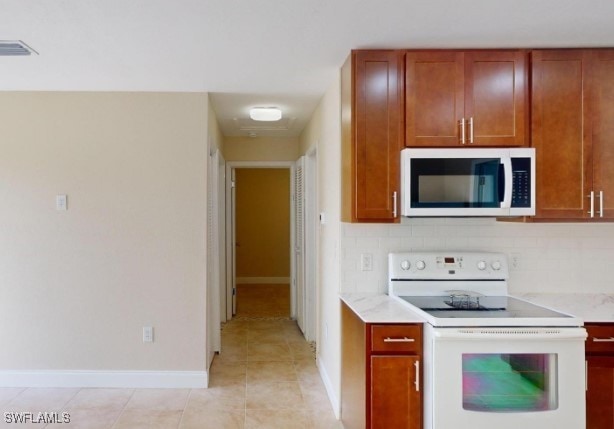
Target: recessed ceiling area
{"points": [[232, 111], [245, 51]]}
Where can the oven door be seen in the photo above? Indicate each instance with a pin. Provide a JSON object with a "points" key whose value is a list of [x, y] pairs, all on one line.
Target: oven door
{"points": [[507, 378]]}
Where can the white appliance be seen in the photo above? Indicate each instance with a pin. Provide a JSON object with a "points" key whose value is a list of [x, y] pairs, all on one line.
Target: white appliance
{"points": [[490, 360], [468, 182]]}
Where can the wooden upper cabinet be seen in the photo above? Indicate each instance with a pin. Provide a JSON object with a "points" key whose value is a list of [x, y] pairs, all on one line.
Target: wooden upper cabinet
{"points": [[372, 106], [434, 95], [561, 133], [496, 98], [473, 98], [573, 133], [602, 93]]}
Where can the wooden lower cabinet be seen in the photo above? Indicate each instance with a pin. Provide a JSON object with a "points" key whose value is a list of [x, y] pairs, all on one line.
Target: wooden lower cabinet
{"points": [[380, 374], [395, 400], [600, 376]]}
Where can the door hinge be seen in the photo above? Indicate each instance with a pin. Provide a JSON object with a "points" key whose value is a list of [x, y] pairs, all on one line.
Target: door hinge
{"points": [[232, 183], [234, 291]]}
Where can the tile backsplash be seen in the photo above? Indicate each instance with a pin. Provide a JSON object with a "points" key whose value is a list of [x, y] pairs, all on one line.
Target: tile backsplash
{"points": [[551, 258]]}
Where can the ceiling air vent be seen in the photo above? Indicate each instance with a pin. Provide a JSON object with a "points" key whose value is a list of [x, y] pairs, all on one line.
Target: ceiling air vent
{"points": [[15, 48]]}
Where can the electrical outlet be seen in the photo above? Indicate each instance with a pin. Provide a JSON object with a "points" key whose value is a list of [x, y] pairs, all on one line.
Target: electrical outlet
{"points": [[366, 262], [148, 334], [515, 261]]}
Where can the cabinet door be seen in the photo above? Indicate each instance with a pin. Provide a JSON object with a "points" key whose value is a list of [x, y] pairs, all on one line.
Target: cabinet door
{"points": [[496, 98], [395, 398], [434, 98], [602, 95], [377, 134], [561, 133], [600, 392]]}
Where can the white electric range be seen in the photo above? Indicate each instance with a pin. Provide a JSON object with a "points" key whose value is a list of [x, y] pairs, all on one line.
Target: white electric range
{"points": [[490, 359]]}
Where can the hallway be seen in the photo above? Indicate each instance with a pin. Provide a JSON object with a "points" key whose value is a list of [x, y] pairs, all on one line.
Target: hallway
{"points": [[266, 377]]}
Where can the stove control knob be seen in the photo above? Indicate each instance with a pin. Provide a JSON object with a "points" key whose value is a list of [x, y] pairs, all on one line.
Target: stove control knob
{"points": [[496, 265], [405, 265], [481, 265], [420, 265]]}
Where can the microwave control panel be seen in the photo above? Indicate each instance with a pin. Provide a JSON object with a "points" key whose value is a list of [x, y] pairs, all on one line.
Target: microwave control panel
{"points": [[521, 182]]}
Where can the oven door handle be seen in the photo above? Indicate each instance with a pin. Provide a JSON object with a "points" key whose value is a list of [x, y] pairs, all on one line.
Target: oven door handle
{"points": [[504, 334]]}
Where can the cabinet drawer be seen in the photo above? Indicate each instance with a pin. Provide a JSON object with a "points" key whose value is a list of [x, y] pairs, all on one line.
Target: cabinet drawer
{"points": [[600, 338], [396, 338]]}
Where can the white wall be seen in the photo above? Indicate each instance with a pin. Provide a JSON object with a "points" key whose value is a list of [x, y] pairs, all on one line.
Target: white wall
{"points": [[552, 258], [76, 287], [324, 131]]}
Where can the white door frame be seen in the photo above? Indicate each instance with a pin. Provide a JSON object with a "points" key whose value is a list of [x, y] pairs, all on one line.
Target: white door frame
{"points": [[311, 243], [221, 245], [212, 262], [231, 227]]}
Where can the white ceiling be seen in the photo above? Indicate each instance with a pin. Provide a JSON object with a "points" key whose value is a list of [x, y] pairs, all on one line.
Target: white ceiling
{"points": [[263, 52]]}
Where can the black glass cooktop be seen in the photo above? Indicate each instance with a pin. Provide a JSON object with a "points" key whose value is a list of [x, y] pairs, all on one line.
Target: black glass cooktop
{"points": [[486, 307]]}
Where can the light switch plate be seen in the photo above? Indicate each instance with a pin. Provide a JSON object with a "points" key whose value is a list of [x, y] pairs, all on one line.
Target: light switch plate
{"points": [[61, 202], [148, 334]]}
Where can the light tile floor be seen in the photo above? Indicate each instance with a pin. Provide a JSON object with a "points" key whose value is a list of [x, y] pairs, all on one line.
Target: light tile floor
{"points": [[272, 300], [265, 377]]}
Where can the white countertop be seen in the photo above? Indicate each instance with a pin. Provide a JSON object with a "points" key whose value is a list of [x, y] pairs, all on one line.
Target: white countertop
{"points": [[591, 307], [378, 308]]}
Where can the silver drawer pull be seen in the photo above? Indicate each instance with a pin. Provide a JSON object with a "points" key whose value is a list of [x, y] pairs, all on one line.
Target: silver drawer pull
{"points": [[603, 340], [402, 340]]}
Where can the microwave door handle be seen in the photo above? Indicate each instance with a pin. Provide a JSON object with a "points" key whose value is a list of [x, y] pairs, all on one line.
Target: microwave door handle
{"points": [[506, 161]]}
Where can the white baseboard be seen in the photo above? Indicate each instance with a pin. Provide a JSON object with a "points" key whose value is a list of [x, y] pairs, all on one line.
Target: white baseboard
{"points": [[126, 379], [332, 397], [263, 280]]}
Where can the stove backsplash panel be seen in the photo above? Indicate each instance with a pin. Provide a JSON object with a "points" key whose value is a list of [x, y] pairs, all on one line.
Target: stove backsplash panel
{"points": [[543, 258]]}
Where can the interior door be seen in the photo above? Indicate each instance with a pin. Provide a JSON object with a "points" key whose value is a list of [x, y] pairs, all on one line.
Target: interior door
{"points": [[299, 241]]}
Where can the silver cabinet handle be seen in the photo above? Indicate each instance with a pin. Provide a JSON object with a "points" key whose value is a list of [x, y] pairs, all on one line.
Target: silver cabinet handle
{"points": [[471, 130], [398, 340], [394, 204], [592, 198], [462, 131], [603, 340], [417, 380], [600, 204]]}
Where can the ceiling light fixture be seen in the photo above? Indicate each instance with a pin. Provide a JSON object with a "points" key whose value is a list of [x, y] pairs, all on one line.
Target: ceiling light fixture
{"points": [[15, 48], [265, 114]]}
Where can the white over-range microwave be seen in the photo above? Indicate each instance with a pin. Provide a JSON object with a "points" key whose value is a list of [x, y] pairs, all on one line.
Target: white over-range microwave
{"points": [[468, 182]]}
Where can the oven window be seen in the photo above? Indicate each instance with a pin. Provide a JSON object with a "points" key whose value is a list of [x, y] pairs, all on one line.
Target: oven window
{"points": [[510, 382]]}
